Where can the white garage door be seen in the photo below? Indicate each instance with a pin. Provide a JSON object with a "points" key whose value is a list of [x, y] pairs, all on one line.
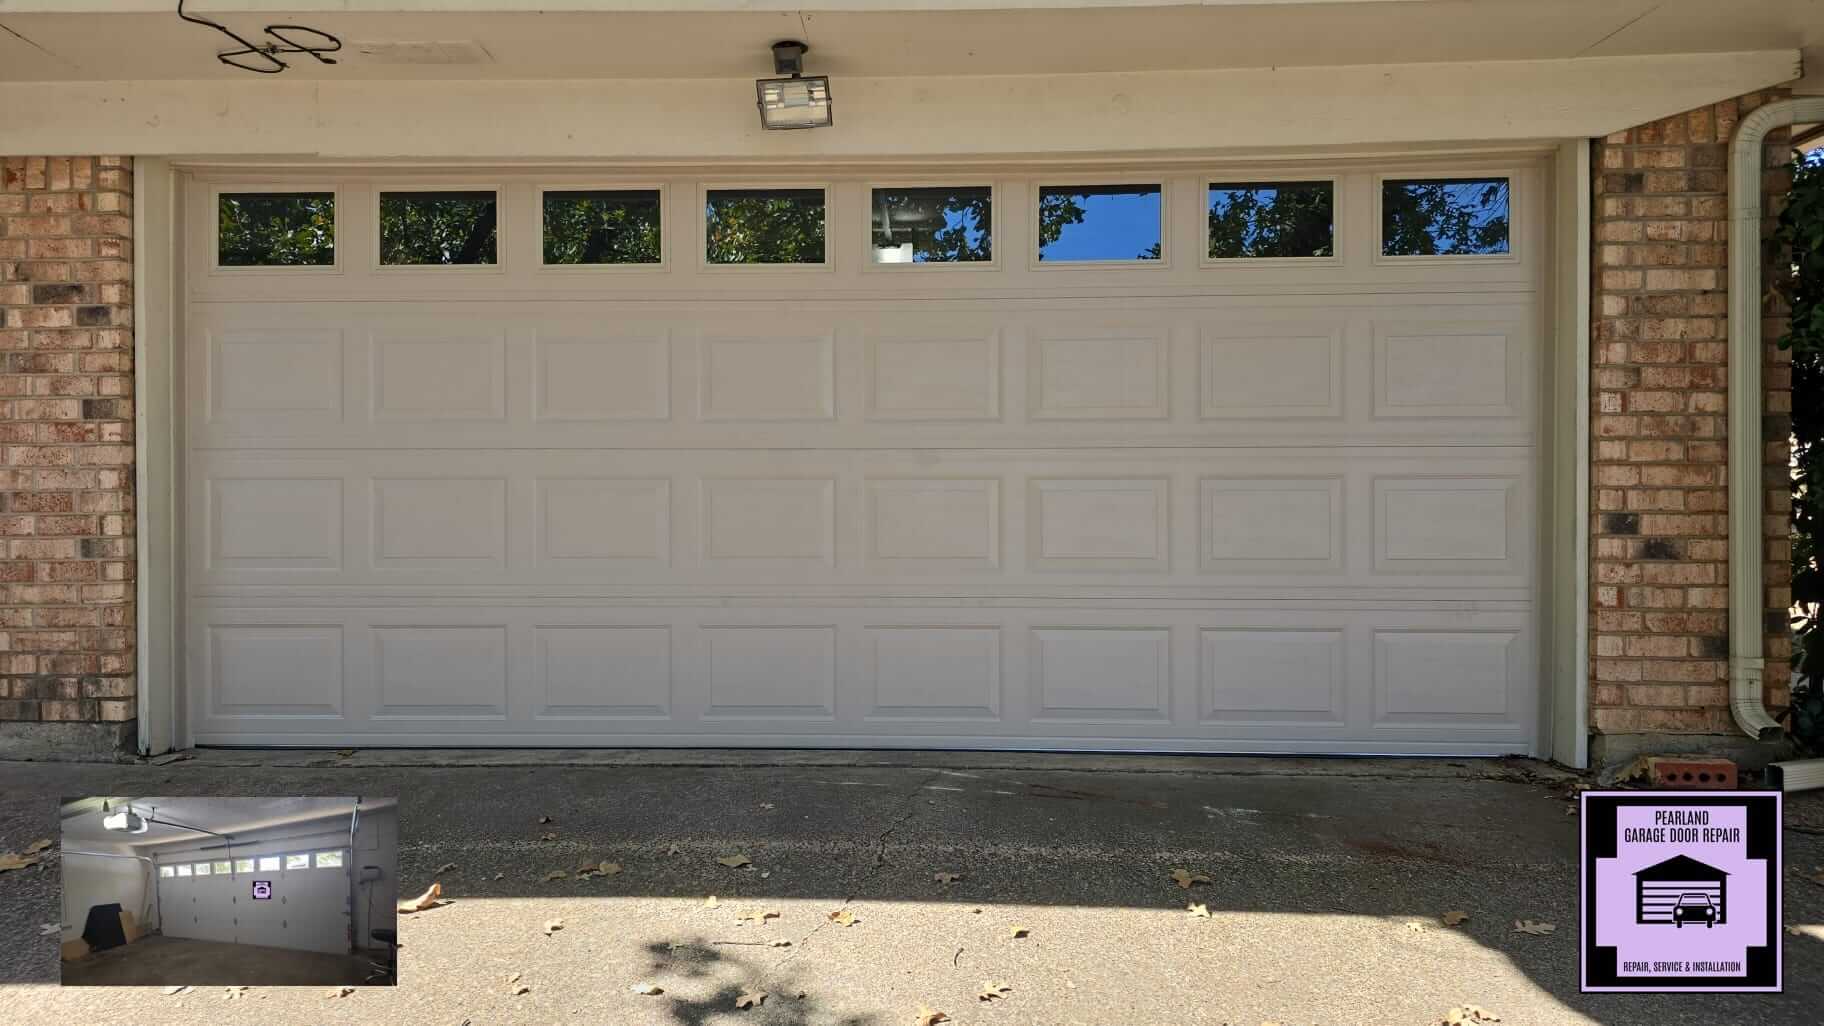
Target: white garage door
{"points": [[1114, 497]]}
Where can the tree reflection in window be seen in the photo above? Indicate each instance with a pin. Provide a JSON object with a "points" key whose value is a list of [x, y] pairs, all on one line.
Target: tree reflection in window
{"points": [[1272, 220], [764, 226], [933, 225], [276, 229], [1099, 222], [602, 227], [439, 228], [1444, 216]]}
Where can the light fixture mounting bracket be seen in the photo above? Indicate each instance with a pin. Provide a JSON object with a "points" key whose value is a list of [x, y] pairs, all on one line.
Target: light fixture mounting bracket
{"points": [[788, 57]]}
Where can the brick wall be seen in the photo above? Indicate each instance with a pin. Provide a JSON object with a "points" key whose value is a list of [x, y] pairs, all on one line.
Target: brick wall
{"points": [[66, 445], [1659, 341]]}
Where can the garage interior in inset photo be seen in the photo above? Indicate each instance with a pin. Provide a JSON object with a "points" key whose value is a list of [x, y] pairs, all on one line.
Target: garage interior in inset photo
{"points": [[290, 891]]}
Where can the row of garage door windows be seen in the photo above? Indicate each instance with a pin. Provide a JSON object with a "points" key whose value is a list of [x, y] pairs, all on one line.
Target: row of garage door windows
{"points": [[263, 864], [1096, 224]]}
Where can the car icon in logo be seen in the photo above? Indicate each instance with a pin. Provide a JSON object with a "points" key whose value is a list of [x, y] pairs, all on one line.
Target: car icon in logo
{"points": [[1694, 908]]}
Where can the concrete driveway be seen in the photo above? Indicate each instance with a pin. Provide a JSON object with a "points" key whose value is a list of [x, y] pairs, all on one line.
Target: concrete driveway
{"points": [[1327, 881]]}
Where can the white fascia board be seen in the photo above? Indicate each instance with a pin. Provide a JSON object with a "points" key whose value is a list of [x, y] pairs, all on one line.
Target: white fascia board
{"points": [[1153, 113]]}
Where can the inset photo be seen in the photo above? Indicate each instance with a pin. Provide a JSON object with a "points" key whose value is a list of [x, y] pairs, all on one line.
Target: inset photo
{"points": [[188, 891]]}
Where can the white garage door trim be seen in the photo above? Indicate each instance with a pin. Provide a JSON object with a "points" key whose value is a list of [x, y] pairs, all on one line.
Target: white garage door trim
{"points": [[1181, 646]]}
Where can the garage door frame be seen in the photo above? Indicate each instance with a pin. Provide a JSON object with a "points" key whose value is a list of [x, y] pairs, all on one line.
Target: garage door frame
{"points": [[1563, 513]]}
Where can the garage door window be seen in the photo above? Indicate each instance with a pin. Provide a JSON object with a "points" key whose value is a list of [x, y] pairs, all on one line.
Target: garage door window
{"points": [[166, 871], [601, 227], [269, 864], [329, 860], [764, 226], [1271, 220], [1444, 217], [297, 862], [223, 868], [183, 871], [1100, 223], [439, 228], [937, 225], [243, 865], [202, 869], [275, 229]]}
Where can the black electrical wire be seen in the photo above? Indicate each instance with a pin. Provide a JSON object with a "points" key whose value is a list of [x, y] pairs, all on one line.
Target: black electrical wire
{"points": [[262, 58]]}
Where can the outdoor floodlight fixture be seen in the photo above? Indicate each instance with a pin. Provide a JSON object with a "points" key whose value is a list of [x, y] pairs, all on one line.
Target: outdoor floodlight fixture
{"points": [[797, 101]]}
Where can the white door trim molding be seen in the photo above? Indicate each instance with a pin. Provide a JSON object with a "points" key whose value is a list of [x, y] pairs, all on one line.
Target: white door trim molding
{"points": [[157, 284], [1746, 620], [1566, 585]]}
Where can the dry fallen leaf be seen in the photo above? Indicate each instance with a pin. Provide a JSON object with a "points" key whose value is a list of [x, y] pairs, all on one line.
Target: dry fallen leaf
{"points": [[779, 944], [13, 860], [674, 850], [1817, 875], [1537, 929], [993, 990], [176, 990], [1415, 926], [544, 819], [234, 992], [556, 874], [1185, 878], [710, 902], [552, 926], [1454, 918], [1197, 911], [447, 867], [607, 869], [521, 989], [514, 978], [1019, 931], [340, 992], [37, 846], [345, 752], [423, 901], [498, 876], [843, 917], [927, 1017], [648, 989], [548, 837], [751, 999], [766, 805], [47, 929], [947, 878], [757, 916], [1467, 1015], [734, 861]]}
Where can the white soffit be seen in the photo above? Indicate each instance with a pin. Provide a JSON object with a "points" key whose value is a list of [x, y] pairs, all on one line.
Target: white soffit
{"points": [[1042, 115]]}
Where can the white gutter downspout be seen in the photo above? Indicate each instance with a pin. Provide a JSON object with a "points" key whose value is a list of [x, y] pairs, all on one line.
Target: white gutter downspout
{"points": [[1746, 625]]}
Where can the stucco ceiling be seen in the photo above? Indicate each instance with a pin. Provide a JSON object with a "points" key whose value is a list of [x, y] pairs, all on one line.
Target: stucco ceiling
{"points": [[82, 818], [143, 39]]}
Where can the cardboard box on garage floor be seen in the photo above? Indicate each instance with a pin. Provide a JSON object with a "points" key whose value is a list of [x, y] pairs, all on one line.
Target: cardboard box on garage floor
{"points": [[75, 948], [129, 926]]}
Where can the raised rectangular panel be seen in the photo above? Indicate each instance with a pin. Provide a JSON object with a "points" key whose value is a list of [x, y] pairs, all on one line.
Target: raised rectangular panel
{"points": [[440, 378], [594, 520], [1446, 371], [604, 671], [275, 670], [769, 378], [275, 523], [1426, 677], [1273, 675], [1099, 378], [441, 671], [934, 524], [935, 379], [939, 672], [783, 519], [1271, 375], [427, 523], [1272, 524], [609, 379], [1101, 673], [1444, 525], [277, 377], [1098, 524], [787, 672]]}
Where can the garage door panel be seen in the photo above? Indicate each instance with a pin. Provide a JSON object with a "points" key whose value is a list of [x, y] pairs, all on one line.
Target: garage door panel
{"points": [[1203, 506], [1199, 372], [1196, 678]]}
